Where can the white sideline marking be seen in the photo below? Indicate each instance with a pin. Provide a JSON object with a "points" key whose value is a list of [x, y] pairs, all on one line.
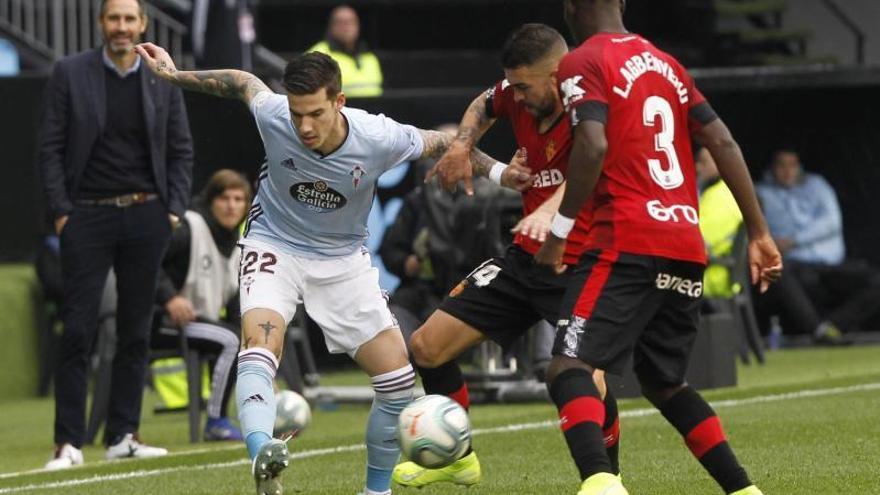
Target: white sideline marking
{"points": [[633, 413]]}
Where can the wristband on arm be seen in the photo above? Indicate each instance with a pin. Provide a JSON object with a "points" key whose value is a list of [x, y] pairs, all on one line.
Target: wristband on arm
{"points": [[496, 171], [561, 225]]}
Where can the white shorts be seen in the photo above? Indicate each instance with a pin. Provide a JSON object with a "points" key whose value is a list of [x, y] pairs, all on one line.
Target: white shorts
{"points": [[342, 294]]}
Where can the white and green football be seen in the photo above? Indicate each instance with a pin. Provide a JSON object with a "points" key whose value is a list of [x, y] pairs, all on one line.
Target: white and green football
{"points": [[434, 431]]}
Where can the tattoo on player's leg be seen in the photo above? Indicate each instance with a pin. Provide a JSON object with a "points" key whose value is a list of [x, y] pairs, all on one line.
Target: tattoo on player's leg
{"points": [[267, 327]]}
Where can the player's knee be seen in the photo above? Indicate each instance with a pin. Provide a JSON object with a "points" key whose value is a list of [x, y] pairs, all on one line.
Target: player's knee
{"points": [[560, 364], [657, 391], [424, 355]]}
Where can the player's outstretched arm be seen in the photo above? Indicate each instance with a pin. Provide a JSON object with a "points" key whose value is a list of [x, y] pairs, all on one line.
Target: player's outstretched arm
{"points": [[515, 175], [764, 258], [228, 83], [455, 165]]}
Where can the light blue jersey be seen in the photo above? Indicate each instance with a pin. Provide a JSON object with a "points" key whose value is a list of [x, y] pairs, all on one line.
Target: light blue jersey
{"points": [[317, 206]]}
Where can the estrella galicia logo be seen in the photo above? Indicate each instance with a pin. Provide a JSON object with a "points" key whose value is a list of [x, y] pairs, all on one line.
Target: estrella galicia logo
{"points": [[289, 164], [318, 196]]}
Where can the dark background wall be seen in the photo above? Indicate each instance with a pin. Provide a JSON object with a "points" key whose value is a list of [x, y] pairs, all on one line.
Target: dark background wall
{"points": [[832, 125], [295, 25]]}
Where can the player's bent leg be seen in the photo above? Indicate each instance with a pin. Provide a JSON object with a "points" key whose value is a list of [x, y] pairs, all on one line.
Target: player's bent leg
{"points": [[698, 424], [384, 358], [435, 345], [441, 339], [262, 341]]}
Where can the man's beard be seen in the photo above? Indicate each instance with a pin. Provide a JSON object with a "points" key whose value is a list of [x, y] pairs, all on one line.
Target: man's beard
{"points": [[122, 47], [542, 112]]}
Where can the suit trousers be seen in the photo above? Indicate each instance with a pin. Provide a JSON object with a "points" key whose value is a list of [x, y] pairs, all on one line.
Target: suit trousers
{"points": [[131, 240]]}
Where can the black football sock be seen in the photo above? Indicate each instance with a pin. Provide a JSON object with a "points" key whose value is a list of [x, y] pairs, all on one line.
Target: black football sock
{"points": [[611, 432], [581, 414], [695, 420], [447, 380]]}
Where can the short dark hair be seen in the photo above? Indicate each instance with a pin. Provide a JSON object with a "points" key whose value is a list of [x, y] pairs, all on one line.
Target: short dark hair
{"points": [[142, 6], [309, 72], [528, 44], [782, 150], [223, 180]]}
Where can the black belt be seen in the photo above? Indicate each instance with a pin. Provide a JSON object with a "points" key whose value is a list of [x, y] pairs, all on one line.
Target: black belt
{"points": [[123, 201]]}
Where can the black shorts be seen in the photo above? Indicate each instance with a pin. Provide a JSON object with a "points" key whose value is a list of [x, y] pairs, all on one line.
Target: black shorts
{"points": [[621, 304], [504, 297]]}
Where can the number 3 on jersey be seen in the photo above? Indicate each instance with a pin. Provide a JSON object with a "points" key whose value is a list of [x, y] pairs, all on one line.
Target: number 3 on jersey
{"points": [[671, 177]]}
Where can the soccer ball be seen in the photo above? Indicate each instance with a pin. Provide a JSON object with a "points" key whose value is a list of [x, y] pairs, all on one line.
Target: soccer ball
{"points": [[292, 412], [434, 431]]}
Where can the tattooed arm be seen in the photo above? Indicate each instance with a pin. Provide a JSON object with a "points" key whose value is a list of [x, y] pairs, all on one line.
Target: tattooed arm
{"points": [[437, 143], [456, 164], [226, 83], [515, 176], [474, 123]]}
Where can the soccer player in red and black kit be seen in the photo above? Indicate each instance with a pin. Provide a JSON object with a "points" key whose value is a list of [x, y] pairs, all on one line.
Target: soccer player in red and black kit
{"points": [[636, 289], [505, 296]]}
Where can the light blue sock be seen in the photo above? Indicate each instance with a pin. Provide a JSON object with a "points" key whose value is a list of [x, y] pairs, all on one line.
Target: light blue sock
{"points": [[256, 396], [254, 441], [394, 391]]}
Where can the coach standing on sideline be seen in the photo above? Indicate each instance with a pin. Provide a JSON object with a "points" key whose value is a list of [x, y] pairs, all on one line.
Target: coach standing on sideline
{"points": [[116, 158]]}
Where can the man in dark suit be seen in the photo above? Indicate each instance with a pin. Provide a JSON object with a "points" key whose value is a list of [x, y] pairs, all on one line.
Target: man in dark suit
{"points": [[116, 158]]}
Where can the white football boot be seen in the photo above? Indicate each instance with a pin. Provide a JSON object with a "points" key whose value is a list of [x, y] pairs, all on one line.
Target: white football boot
{"points": [[65, 456], [131, 446]]}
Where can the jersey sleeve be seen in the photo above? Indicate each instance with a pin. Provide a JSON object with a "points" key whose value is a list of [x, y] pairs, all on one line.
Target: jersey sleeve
{"points": [[700, 112], [499, 100], [404, 142], [266, 104], [583, 87]]}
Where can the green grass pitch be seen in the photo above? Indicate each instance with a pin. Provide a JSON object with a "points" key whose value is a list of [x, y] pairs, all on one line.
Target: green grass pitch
{"points": [[806, 423]]}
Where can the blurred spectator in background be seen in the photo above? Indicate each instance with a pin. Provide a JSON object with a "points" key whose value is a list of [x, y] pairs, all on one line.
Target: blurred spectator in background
{"points": [[720, 221], [9, 61], [361, 72], [199, 279], [116, 160], [223, 34], [804, 218]]}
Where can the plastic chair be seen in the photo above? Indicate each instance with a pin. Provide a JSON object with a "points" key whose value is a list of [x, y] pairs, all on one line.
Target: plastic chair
{"points": [[740, 305]]}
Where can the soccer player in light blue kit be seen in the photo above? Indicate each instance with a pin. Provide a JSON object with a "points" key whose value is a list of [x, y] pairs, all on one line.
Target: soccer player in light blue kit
{"points": [[304, 243]]}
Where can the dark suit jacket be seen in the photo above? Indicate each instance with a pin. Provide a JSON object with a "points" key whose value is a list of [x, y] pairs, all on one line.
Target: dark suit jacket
{"points": [[74, 113]]}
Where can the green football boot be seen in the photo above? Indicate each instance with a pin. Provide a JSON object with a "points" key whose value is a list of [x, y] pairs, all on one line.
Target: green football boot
{"points": [[465, 471], [602, 484]]}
